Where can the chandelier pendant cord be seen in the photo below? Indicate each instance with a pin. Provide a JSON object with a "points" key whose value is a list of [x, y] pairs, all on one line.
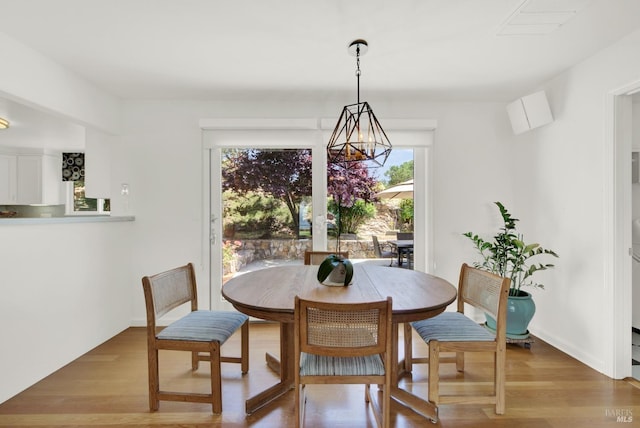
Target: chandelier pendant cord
{"points": [[358, 71]]}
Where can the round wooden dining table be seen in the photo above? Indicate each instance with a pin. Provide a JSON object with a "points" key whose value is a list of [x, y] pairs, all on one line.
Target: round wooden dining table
{"points": [[269, 294]]}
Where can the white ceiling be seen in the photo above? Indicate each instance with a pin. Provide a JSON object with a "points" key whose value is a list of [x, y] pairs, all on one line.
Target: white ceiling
{"points": [[203, 49]]}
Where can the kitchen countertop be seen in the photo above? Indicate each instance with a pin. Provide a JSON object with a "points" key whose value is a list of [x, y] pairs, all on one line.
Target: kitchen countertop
{"points": [[65, 219]]}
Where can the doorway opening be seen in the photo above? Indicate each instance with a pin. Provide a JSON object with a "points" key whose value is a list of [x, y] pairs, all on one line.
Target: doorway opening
{"points": [[221, 137], [635, 233], [624, 137]]}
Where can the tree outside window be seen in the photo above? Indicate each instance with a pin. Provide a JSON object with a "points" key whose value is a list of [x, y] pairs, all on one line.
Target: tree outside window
{"points": [[83, 204]]}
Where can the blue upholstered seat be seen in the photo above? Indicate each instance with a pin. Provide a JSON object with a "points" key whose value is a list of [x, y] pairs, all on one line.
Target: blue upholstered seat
{"points": [[322, 365], [452, 327], [204, 326]]}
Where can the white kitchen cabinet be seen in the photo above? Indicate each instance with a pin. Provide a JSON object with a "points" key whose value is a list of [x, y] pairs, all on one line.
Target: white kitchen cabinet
{"points": [[31, 179], [8, 185]]}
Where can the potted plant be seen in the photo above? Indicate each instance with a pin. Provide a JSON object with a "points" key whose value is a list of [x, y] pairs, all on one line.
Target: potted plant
{"points": [[509, 256], [335, 270]]}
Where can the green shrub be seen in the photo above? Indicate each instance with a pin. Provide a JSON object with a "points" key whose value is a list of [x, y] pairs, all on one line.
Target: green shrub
{"points": [[254, 215], [406, 214], [351, 218]]}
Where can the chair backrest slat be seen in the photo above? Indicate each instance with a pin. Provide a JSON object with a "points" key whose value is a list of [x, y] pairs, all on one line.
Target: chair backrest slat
{"points": [[317, 257], [401, 236], [170, 289], [376, 246], [483, 290], [344, 329]]}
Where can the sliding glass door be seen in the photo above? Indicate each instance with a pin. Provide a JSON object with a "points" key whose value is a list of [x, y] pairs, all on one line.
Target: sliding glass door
{"points": [[263, 193], [266, 207], [269, 198]]}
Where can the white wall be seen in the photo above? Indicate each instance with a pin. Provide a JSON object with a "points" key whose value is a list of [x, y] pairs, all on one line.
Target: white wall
{"points": [[65, 289], [29, 77], [472, 143], [562, 200], [34, 129]]}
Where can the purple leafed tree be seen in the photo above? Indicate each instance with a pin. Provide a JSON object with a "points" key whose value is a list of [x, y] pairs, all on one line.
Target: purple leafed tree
{"points": [[347, 185], [284, 174]]}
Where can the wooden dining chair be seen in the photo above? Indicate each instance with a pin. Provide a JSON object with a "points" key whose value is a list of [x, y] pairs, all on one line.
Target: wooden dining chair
{"points": [[343, 343], [455, 332], [200, 332], [317, 257]]}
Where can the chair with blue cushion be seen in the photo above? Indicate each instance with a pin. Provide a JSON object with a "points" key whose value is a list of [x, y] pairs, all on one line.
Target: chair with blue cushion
{"points": [[200, 332], [455, 332], [343, 343]]}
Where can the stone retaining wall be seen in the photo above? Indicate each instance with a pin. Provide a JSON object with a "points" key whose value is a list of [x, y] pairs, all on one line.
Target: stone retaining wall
{"points": [[241, 253]]}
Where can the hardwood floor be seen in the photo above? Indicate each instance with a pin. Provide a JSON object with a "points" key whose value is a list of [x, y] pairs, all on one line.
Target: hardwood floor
{"points": [[108, 387]]}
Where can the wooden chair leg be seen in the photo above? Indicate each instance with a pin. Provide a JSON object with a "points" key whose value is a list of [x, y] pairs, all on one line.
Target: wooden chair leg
{"points": [[244, 344], [195, 360], [434, 376], [379, 408], [216, 379], [386, 404], [408, 347], [499, 373], [154, 380], [460, 361], [300, 402]]}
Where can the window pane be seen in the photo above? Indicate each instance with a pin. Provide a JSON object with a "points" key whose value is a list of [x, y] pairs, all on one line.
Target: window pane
{"points": [[266, 206], [82, 203]]}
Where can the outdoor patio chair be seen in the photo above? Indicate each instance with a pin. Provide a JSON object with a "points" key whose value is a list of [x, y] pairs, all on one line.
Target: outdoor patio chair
{"points": [[382, 254]]}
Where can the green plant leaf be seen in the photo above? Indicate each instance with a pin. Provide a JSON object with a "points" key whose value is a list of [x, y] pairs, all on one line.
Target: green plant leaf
{"points": [[349, 272], [531, 247], [508, 255], [325, 268]]}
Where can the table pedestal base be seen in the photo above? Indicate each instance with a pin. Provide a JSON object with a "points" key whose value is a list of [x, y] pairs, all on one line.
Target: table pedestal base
{"points": [[282, 366], [267, 396], [285, 368], [273, 362], [417, 404]]}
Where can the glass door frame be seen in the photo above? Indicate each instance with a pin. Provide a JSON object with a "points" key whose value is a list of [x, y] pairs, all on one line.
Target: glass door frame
{"points": [[266, 134], [304, 133]]}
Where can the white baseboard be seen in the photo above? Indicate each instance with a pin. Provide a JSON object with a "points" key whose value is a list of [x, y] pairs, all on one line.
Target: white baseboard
{"points": [[571, 350]]}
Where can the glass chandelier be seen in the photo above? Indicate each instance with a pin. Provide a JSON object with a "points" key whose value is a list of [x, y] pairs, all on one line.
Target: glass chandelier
{"points": [[358, 136]]}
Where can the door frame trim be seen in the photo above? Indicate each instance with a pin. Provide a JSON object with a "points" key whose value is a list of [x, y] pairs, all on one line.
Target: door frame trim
{"points": [[423, 170], [617, 233]]}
